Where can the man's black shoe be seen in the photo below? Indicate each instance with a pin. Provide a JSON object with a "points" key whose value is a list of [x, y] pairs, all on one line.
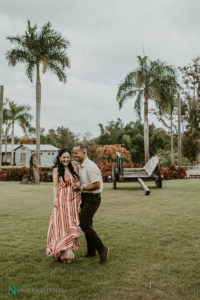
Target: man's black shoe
{"points": [[90, 255], [104, 255]]}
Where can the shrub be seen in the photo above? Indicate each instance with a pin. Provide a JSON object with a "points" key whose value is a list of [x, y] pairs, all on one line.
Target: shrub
{"points": [[107, 152], [3, 175], [45, 175], [13, 174], [182, 173], [106, 168], [6, 163], [16, 173], [173, 173]]}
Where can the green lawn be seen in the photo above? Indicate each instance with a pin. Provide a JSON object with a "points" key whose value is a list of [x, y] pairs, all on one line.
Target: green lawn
{"points": [[154, 244]]}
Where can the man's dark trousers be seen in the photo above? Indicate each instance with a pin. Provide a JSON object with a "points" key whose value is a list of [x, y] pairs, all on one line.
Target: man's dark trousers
{"points": [[90, 204]]}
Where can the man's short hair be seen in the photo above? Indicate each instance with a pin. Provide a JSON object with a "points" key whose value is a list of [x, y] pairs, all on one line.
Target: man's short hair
{"points": [[81, 146]]}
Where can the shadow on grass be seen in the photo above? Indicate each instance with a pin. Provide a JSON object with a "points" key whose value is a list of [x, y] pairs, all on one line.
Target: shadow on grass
{"points": [[133, 188]]}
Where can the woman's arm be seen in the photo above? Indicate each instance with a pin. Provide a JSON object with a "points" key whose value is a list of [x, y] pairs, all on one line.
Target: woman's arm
{"points": [[55, 186], [76, 168]]}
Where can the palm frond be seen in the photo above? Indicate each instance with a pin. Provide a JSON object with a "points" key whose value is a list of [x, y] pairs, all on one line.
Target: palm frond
{"points": [[16, 39], [16, 55], [47, 47], [30, 70], [55, 68], [128, 88], [138, 101], [125, 97], [60, 57]]}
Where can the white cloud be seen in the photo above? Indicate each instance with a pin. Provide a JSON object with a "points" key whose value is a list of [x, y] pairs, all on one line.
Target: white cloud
{"points": [[105, 38]]}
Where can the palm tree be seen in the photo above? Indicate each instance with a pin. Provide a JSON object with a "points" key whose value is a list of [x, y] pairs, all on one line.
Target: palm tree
{"points": [[1, 122], [18, 114], [6, 137], [7, 124], [46, 48], [150, 81]]}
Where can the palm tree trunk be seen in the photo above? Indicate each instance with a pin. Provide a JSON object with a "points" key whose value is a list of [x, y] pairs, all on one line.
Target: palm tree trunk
{"points": [[179, 131], [12, 144], [146, 129], [172, 138], [6, 145], [1, 122], [38, 108]]}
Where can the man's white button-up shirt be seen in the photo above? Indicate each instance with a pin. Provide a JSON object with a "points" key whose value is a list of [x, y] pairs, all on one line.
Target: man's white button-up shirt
{"points": [[90, 173]]}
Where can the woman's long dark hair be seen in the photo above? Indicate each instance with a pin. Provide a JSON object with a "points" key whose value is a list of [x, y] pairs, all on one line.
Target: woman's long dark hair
{"points": [[60, 166]]}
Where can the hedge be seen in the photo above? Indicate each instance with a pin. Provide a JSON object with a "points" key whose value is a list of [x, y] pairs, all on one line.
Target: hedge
{"points": [[16, 173]]}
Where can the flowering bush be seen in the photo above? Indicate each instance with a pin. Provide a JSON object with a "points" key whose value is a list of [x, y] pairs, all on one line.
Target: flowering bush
{"points": [[13, 174], [27, 141], [182, 173], [173, 173], [106, 168], [107, 152], [16, 174], [45, 176], [6, 163], [3, 175]]}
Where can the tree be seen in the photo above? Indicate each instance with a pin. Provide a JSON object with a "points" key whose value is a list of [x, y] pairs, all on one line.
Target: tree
{"points": [[7, 123], [46, 48], [61, 137], [191, 94], [191, 110], [112, 133], [1, 122], [91, 150], [131, 136], [167, 114], [18, 114], [151, 80]]}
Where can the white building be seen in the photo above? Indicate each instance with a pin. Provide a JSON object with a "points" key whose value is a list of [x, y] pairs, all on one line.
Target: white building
{"points": [[8, 158], [22, 154]]}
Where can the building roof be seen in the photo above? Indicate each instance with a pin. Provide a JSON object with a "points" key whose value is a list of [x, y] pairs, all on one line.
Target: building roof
{"points": [[42, 147], [31, 147], [8, 147]]}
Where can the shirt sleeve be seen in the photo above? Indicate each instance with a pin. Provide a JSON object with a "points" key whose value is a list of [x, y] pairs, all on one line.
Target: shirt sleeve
{"points": [[94, 173]]}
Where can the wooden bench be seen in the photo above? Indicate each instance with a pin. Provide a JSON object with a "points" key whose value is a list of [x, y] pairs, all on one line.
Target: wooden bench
{"points": [[150, 171]]}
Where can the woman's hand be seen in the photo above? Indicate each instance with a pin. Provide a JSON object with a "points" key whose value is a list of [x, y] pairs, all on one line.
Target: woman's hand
{"points": [[55, 203], [77, 186]]}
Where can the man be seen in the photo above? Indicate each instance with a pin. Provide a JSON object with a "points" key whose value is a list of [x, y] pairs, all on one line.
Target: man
{"points": [[91, 187]]}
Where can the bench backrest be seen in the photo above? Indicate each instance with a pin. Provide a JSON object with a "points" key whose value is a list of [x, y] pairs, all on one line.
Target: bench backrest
{"points": [[151, 164]]}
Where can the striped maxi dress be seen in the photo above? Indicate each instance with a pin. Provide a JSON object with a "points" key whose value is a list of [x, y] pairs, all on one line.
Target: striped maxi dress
{"points": [[64, 230]]}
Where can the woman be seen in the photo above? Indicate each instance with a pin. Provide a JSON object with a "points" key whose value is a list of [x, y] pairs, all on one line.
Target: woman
{"points": [[64, 230]]}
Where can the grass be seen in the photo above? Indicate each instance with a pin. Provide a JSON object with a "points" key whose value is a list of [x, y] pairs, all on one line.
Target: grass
{"points": [[154, 244]]}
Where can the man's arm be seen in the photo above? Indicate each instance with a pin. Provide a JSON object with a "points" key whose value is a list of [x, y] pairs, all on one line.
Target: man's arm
{"points": [[91, 187]]}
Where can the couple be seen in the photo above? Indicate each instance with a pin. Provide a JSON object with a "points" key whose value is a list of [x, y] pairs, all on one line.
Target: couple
{"points": [[76, 189]]}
